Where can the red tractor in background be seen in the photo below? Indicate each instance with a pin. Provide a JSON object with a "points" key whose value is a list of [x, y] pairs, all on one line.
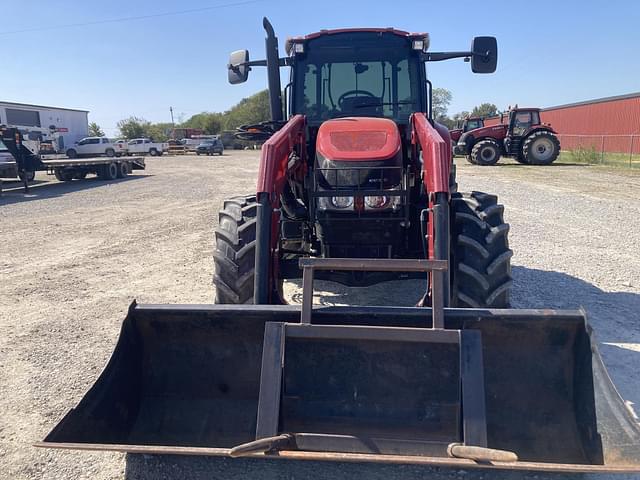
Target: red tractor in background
{"points": [[469, 123], [523, 137]]}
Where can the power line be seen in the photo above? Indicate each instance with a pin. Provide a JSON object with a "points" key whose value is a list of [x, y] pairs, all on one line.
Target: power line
{"points": [[128, 19]]}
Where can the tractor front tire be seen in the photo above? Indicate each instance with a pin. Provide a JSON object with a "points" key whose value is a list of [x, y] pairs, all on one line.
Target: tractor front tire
{"points": [[541, 148], [235, 251], [481, 258], [485, 152]]}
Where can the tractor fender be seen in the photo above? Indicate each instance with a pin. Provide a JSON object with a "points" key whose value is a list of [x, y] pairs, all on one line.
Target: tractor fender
{"points": [[465, 144], [538, 128], [471, 141]]}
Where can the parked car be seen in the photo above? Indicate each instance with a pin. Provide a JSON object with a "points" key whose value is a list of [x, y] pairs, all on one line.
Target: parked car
{"points": [[143, 146], [95, 146], [209, 147], [191, 144], [124, 142]]}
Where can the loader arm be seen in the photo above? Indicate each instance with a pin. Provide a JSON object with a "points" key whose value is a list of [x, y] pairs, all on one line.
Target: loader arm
{"points": [[283, 155], [436, 169]]}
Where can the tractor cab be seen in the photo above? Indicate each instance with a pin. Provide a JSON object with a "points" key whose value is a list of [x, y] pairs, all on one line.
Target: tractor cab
{"points": [[466, 125], [472, 123], [521, 120], [356, 73]]}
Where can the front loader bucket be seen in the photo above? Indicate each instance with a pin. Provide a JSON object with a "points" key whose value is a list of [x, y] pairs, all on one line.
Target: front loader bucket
{"points": [[189, 380]]}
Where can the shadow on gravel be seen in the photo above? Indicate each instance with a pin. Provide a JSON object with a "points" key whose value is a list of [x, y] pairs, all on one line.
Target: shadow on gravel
{"points": [[41, 190]]}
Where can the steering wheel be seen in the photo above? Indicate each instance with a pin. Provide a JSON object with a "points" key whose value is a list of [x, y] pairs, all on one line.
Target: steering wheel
{"points": [[352, 93]]}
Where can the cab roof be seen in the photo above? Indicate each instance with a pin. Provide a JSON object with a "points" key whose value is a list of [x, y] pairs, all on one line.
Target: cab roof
{"points": [[304, 38]]}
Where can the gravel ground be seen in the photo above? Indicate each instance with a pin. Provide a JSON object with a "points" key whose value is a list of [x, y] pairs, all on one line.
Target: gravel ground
{"points": [[77, 254]]}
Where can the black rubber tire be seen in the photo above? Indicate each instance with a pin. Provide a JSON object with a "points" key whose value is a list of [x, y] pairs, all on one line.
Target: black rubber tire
{"points": [[481, 150], [521, 159], [470, 159], [108, 172], [80, 175], [123, 169], [63, 176], [480, 254], [153, 152], [235, 250], [71, 153], [529, 151], [110, 152]]}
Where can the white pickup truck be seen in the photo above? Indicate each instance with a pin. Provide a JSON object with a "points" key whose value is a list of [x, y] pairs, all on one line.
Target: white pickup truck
{"points": [[142, 146], [96, 146]]}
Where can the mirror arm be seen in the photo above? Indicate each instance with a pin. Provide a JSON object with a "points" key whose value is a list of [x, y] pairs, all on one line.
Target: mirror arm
{"points": [[284, 62], [439, 56]]}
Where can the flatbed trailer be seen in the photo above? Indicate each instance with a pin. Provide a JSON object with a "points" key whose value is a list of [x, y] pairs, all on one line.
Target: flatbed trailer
{"points": [[63, 168]]}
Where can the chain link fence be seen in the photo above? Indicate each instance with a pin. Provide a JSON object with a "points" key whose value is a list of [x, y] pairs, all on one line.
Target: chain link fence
{"points": [[620, 150]]}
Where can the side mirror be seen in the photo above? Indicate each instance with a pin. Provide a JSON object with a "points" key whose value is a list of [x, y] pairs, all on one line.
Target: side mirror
{"points": [[485, 54], [238, 68]]}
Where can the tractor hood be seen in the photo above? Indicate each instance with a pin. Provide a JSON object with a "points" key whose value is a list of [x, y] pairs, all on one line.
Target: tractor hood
{"points": [[355, 139]]}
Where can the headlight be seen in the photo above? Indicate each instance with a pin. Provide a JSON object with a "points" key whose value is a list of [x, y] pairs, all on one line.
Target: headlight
{"points": [[377, 201], [342, 202], [382, 202]]}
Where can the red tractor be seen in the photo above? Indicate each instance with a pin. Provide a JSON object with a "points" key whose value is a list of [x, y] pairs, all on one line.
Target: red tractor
{"points": [[469, 123], [523, 137], [359, 170]]}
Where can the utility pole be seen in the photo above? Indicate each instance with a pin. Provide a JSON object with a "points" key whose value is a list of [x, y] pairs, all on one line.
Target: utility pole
{"points": [[172, 122]]}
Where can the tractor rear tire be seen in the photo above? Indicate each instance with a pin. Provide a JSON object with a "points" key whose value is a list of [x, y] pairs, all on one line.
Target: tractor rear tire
{"points": [[481, 258], [485, 152], [541, 148], [234, 254]]}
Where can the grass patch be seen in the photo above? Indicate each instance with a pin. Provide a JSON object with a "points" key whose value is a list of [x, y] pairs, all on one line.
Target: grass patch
{"points": [[590, 156]]}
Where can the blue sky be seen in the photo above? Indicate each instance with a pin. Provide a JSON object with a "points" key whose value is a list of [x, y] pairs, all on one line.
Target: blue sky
{"points": [[550, 52]]}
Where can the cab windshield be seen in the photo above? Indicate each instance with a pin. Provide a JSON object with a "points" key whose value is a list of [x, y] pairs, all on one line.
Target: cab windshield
{"points": [[374, 76], [473, 124]]}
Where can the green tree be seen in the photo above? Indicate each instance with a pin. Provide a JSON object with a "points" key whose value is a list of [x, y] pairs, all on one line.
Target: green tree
{"points": [[210, 123], [95, 130], [252, 109], [133, 127], [159, 132], [440, 101], [485, 110]]}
